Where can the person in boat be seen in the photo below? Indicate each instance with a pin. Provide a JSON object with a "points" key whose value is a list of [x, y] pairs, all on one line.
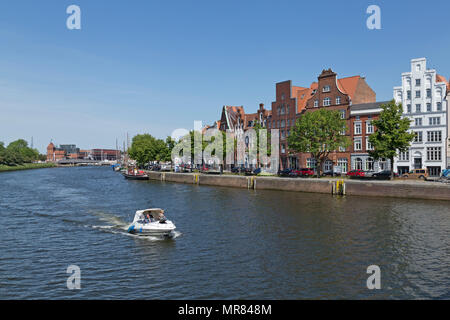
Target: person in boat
{"points": [[147, 219]]}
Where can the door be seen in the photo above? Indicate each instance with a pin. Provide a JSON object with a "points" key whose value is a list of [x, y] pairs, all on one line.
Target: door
{"points": [[417, 163]]}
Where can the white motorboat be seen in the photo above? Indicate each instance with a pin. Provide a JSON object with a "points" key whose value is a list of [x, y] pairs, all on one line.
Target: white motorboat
{"points": [[151, 222]]}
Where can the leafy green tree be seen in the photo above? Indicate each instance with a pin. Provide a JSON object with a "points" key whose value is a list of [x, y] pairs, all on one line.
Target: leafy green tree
{"points": [[391, 134], [319, 133], [25, 153], [146, 148]]}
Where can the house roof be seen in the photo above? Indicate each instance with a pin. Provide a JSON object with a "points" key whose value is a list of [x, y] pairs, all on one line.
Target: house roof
{"points": [[372, 105], [440, 78], [348, 85]]}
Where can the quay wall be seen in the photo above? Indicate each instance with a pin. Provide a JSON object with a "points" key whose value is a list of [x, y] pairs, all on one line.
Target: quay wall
{"points": [[393, 189]]}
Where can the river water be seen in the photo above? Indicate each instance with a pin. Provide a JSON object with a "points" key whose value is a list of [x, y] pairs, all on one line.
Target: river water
{"points": [[230, 243]]}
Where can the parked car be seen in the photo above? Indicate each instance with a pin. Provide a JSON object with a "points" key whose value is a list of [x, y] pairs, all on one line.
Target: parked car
{"points": [[306, 172], [356, 174], [384, 175], [284, 172], [416, 174]]}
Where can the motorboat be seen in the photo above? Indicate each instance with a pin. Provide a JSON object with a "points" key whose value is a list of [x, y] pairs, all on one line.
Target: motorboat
{"points": [[135, 175], [151, 222]]}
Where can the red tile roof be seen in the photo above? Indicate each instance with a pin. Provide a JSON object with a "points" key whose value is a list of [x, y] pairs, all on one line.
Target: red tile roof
{"points": [[348, 85]]}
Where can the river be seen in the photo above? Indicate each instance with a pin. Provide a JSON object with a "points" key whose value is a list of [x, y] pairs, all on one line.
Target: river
{"points": [[230, 243]]}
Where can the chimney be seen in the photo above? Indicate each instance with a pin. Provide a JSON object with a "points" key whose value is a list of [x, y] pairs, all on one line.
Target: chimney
{"points": [[261, 106]]}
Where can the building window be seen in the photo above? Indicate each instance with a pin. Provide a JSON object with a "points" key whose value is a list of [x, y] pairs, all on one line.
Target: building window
{"points": [[342, 149], [408, 94], [435, 121], [434, 154], [343, 114], [358, 145], [439, 106], [343, 163], [283, 148], [404, 156], [358, 164], [418, 122], [369, 146], [326, 102], [316, 103], [409, 108], [428, 107], [369, 164], [382, 164], [282, 96], [311, 163], [283, 134], [369, 127], [287, 109], [338, 100], [417, 82], [357, 127], [418, 94], [326, 89], [418, 137], [328, 166], [434, 136], [418, 107], [428, 93], [282, 123]]}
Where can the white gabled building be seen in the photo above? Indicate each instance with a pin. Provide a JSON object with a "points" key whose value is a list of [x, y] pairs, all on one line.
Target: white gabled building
{"points": [[423, 96]]}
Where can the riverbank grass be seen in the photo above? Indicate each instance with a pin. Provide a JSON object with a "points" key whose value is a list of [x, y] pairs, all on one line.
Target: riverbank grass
{"points": [[26, 166]]}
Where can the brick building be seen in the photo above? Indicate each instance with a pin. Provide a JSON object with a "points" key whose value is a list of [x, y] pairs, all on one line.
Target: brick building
{"points": [[55, 154], [328, 92], [361, 127]]}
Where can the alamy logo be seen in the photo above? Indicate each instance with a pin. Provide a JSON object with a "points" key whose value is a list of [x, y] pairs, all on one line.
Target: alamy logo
{"points": [[374, 21], [374, 281], [74, 20], [74, 280]]}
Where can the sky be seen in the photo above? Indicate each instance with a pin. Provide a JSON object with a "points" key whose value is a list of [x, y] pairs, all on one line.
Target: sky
{"points": [[143, 66]]}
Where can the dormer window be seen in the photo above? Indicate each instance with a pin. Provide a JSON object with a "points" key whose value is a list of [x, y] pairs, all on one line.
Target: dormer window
{"points": [[314, 92], [316, 103], [326, 89]]}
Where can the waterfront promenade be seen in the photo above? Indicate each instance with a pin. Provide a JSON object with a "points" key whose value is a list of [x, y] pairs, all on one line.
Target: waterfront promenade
{"points": [[393, 189]]}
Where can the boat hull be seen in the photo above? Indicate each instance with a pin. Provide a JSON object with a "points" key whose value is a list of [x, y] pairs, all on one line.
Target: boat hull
{"points": [[152, 229], [135, 177]]}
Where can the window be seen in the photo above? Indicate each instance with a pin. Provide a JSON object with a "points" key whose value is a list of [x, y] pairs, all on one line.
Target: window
{"points": [[382, 164], [428, 107], [338, 100], [326, 102], [418, 137], [434, 136], [311, 163], [369, 127], [287, 109], [435, 121], [418, 107], [418, 122], [328, 166], [326, 89], [409, 108], [428, 93], [404, 156], [439, 106], [343, 114], [282, 123], [369, 146], [282, 96], [342, 149], [283, 134], [369, 164], [408, 94], [417, 93], [282, 109], [358, 144], [283, 148], [316, 103], [358, 164], [434, 153], [343, 163], [417, 82], [357, 127]]}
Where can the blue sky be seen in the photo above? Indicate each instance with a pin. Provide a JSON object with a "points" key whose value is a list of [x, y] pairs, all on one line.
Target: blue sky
{"points": [[154, 66]]}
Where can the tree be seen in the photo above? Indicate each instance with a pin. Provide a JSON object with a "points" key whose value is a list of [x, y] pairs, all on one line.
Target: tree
{"points": [[146, 148], [391, 134], [319, 132]]}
